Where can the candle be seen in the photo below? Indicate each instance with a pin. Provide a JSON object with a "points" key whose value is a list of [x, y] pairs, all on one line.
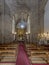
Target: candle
{"points": [[13, 27], [28, 24]]}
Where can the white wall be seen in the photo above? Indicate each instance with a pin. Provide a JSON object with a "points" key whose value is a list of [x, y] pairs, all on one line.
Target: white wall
{"points": [[46, 18]]}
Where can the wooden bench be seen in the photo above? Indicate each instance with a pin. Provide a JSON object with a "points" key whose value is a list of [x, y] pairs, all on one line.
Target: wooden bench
{"points": [[41, 54]]}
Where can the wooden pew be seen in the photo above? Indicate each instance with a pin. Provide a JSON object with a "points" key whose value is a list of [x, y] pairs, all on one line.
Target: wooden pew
{"points": [[8, 51], [41, 54]]}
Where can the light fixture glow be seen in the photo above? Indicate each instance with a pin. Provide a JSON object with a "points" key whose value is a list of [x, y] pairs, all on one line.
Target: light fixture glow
{"points": [[22, 26], [27, 33]]}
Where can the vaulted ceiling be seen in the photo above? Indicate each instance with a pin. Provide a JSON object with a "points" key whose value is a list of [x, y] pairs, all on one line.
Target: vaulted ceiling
{"points": [[21, 5]]}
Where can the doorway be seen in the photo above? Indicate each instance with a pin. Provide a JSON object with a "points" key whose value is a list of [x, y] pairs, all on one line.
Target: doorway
{"points": [[21, 30]]}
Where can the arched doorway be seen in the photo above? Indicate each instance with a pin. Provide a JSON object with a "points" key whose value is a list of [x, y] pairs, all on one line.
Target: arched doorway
{"points": [[21, 27]]}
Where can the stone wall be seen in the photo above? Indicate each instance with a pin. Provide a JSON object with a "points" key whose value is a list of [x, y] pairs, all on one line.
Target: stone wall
{"points": [[46, 18], [16, 7], [5, 24]]}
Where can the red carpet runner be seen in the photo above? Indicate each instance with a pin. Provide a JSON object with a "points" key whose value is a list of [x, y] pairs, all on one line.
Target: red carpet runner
{"points": [[22, 58]]}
